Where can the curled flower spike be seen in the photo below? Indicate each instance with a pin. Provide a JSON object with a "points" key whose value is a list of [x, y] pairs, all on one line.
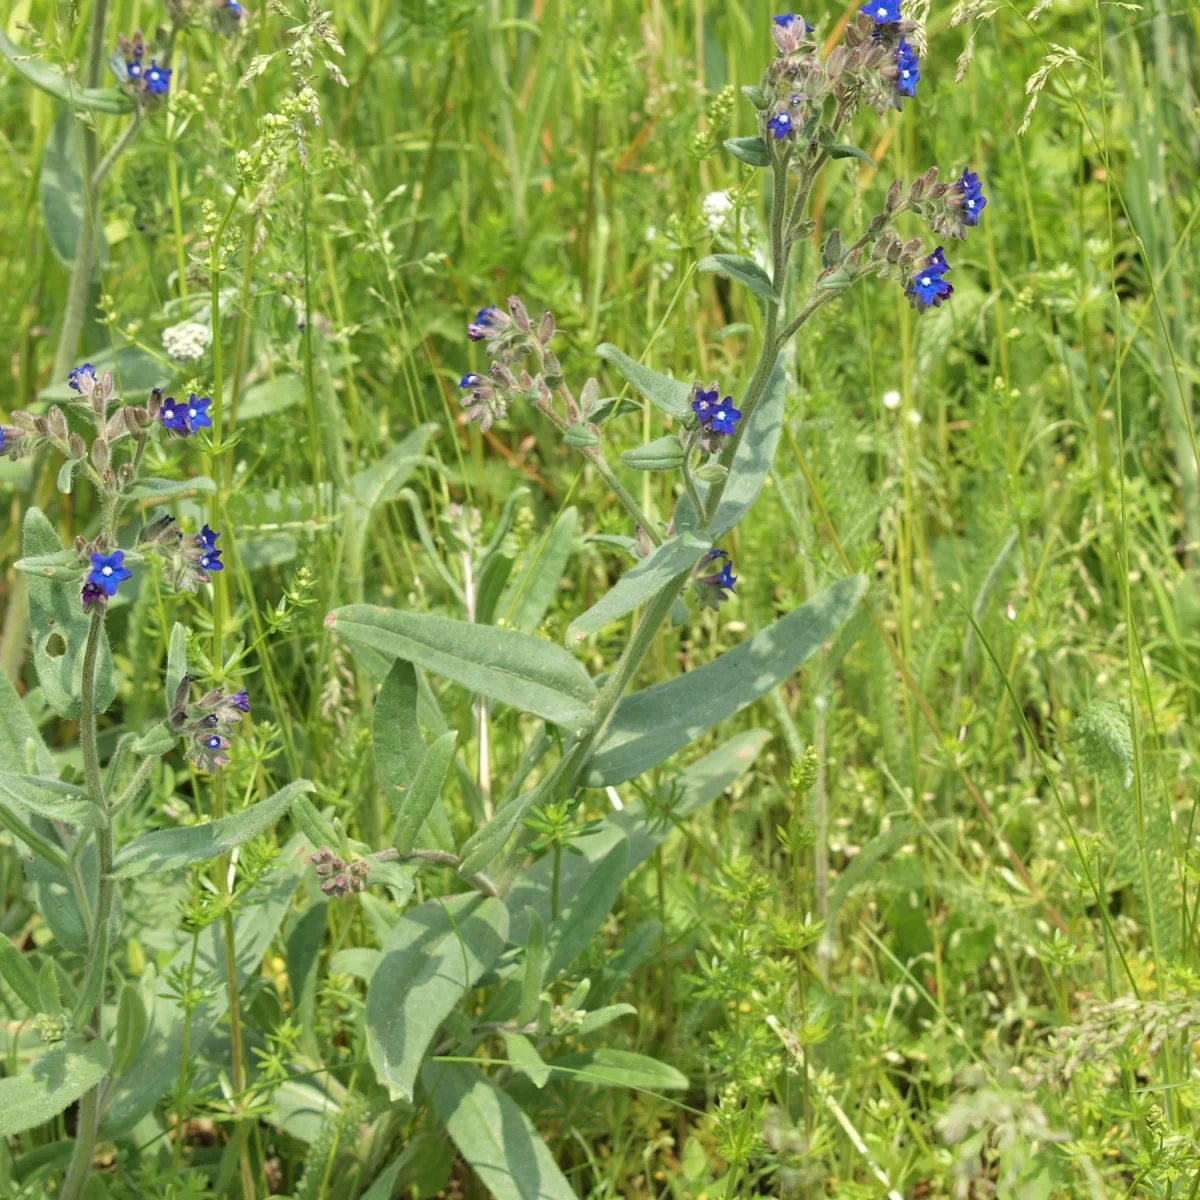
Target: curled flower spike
{"points": [[788, 30], [967, 194], [928, 288], [908, 67], [883, 12], [108, 570], [76, 375], [197, 412], [780, 125], [337, 876]]}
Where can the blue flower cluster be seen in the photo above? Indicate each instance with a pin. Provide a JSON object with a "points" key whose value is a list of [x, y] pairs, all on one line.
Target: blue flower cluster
{"points": [[210, 557], [185, 419], [209, 722], [908, 67], [716, 415], [75, 374], [928, 286], [969, 193], [485, 323]]}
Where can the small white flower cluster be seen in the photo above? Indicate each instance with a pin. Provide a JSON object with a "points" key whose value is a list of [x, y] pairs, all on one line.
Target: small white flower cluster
{"points": [[187, 342], [716, 207]]}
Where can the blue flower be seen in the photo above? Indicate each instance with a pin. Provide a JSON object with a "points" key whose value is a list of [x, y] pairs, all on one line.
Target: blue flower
{"points": [[481, 327], [133, 69], [174, 416], [235, 9], [703, 403], [1, 437], [157, 79], [210, 560], [470, 380], [780, 125], [197, 412], [724, 417], [885, 12], [928, 288], [786, 20], [92, 592], [77, 373], [726, 578], [241, 700], [207, 538], [107, 571], [973, 199], [909, 67]]}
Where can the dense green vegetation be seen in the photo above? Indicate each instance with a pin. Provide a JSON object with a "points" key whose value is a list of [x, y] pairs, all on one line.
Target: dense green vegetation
{"points": [[932, 929]]}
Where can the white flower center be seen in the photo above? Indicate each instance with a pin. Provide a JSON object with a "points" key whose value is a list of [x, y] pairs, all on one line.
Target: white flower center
{"points": [[970, 203], [169, 413], [191, 412], [905, 74], [106, 571], [926, 281], [881, 12], [719, 415]]}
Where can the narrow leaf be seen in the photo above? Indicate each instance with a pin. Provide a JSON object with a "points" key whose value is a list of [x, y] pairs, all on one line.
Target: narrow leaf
{"points": [[169, 489], [51, 79], [486, 842], [494, 1135], [641, 583], [751, 150], [172, 849], [418, 802], [535, 968], [19, 738], [845, 151], [670, 395], [433, 954], [54, 1081], [524, 1057], [399, 747], [582, 917], [64, 201], [529, 673], [651, 725], [176, 661], [662, 454], [606, 1067], [131, 1028], [530, 590], [16, 971], [744, 270], [50, 798]]}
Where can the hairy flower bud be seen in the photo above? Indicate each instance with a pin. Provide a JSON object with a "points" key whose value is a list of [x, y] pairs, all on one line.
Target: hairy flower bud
{"points": [[589, 395], [516, 308], [100, 454], [76, 445], [24, 420], [155, 401], [893, 197], [58, 422], [546, 328]]}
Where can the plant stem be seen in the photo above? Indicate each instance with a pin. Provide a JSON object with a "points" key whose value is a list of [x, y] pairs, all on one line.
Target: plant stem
{"points": [[554, 881], [81, 270], [89, 1109]]}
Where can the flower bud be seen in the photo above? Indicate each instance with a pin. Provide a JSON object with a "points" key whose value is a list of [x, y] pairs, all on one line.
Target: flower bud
{"points": [[24, 420], [546, 328], [155, 401], [41, 426], [520, 317], [58, 422], [100, 454], [76, 445], [835, 64], [893, 197], [589, 395], [115, 428], [137, 418]]}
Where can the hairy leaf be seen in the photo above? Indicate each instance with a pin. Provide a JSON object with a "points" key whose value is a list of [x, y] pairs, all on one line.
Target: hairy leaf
{"points": [[671, 395], [417, 803], [21, 746], [743, 270], [51, 79], [531, 589], [662, 454], [50, 798], [55, 1080], [751, 150]]}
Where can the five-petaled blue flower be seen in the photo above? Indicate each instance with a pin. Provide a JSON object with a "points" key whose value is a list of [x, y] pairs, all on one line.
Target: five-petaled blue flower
{"points": [[174, 416], [885, 12], [241, 700], [705, 403], [197, 412], [215, 742], [909, 67], [206, 537], [927, 286], [780, 125], [973, 199], [785, 20], [77, 373], [210, 560], [158, 79], [470, 380], [481, 327], [108, 570], [724, 417]]}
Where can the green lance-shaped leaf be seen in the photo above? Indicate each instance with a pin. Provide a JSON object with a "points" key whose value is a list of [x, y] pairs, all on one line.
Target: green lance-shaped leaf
{"points": [[51, 79], [841, 150], [172, 849], [742, 270], [399, 746], [131, 1028], [670, 395], [64, 199], [531, 589], [21, 746], [526, 672], [432, 955], [49, 798], [641, 583], [523, 1056], [169, 489], [751, 150], [54, 1081], [487, 841], [417, 803], [497, 568], [662, 454], [606, 1067], [585, 913], [60, 629], [16, 971], [177, 664], [751, 463], [651, 725], [581, 437], [156, 741], [494, 1135], [535, 968]]}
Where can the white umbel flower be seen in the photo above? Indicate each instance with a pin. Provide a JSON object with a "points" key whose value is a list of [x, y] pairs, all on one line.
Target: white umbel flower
{"points": [[187, 342]]}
